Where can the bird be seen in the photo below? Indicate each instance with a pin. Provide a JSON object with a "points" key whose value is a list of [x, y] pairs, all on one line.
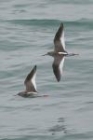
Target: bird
{"points": [[31, 90], [59, 52], [30, 83]]}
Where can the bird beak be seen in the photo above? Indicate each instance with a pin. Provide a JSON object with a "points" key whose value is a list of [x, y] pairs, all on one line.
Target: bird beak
{"points": [[76, 54], [72, 54], [44, 54]]}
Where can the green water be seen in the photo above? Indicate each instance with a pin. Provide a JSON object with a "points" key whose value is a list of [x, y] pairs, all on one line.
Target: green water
{"points": [[27, 30]]}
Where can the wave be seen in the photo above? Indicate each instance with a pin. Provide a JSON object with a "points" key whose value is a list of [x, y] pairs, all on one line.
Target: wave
{"points": [[35, 22], [50, 22]]}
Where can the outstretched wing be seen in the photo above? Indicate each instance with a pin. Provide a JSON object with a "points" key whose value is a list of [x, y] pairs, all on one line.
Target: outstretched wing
{"points": [[30, 80], [59, 40], [58, 66]]}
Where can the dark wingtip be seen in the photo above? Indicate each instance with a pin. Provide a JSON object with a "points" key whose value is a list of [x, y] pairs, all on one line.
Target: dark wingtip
{"points": [[61, 24], [35, 67], [58, 80]]}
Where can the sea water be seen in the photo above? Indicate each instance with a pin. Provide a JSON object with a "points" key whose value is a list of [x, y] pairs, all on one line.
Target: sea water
{"points": [[27, 30]]}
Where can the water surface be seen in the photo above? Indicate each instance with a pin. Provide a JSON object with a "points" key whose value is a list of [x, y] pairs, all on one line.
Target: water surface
{"points": [[27, 30]]}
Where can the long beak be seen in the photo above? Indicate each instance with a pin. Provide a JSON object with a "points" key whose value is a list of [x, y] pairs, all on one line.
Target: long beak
{"points": [[72, 54], [75, 54], [44, 54]]}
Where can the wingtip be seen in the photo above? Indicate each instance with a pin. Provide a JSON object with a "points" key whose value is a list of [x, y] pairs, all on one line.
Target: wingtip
{"points": [[58, 80], [35, 67], [61, 24]]}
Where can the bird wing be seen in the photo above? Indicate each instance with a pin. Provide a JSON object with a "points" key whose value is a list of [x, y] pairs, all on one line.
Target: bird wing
{"points": [[30, 80], [58, 66], [59, 40]]}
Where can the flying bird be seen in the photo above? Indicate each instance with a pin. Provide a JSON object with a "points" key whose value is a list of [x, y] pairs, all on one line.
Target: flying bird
{"points": [[59, 52], [30, 84]]}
